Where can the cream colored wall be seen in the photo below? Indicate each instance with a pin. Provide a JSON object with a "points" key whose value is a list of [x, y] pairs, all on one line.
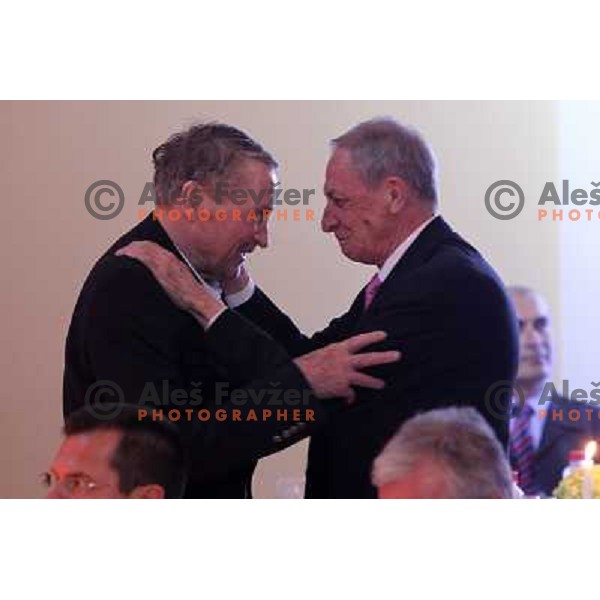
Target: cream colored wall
{"points": [[579, 136], [51, 152]]}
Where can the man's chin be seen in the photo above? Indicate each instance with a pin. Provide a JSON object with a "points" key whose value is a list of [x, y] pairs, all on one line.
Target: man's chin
{"points": [[537, 380], [356, 256], [347, 250], [230, 271]]}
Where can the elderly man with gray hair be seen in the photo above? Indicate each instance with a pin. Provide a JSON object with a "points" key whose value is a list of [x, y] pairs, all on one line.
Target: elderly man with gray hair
{"points": [[444, 453]]}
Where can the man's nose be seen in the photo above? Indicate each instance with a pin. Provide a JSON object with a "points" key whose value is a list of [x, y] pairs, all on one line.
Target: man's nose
{"points": [[531, 336], [329, 220]]}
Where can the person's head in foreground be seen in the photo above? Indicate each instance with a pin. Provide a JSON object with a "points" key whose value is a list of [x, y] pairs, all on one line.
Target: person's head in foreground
{"points": [[120, 457], [444, 453]]}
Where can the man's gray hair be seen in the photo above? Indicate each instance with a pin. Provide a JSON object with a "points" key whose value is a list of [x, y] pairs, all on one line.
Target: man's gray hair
{"points": [[463, 447], [521, 290], [383, 148]]}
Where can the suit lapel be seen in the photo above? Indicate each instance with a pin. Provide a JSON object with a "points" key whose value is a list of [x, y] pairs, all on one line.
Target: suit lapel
{"points": [[550, 435], [554, 430], [437, 232]]}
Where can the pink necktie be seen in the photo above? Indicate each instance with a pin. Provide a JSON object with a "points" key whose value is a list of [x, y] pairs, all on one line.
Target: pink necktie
{"points": [[371, 290]]}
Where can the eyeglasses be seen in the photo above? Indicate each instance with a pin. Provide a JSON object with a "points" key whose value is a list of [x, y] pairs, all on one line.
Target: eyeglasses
{"points": [[76, 486]]}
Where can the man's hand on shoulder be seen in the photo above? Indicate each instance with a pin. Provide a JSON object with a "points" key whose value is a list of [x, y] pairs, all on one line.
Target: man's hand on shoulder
{"points": [[176, 279]]}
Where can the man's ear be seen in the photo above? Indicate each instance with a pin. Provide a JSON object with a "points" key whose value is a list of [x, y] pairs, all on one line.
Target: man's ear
{"points": [[152, 491], [192, 194], [396, 194]]}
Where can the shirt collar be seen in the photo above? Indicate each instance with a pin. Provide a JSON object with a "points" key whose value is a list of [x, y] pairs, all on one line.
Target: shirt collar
{"points": [[401, 249]]}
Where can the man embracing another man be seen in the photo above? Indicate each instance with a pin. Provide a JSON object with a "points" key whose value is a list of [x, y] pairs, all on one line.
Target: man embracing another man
{"points": [[130, 343], [439, 302]]}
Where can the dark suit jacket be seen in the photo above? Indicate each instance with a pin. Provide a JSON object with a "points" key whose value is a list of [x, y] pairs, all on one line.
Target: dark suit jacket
{"points": [[567, 427], [446, 310], [125, 330]]}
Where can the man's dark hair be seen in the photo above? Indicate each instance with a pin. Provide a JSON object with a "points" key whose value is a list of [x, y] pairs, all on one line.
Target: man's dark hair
{"points": [[202, 153], [149, 452]]}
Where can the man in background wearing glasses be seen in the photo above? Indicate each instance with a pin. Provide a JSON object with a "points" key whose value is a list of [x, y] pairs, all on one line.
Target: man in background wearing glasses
{"points": [[120, 457]]}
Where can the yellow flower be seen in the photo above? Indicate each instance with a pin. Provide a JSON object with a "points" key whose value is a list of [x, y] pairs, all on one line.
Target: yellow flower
{"points": [[571, 487]]}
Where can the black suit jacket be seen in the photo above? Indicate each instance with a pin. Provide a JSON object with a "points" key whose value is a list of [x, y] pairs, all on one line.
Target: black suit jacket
{"points": [[447, 311], [126, 331], [568, 426]]}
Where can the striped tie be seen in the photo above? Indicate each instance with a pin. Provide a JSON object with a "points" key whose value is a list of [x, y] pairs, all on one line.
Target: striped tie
{"points": [[522, 453], [371, 290]]}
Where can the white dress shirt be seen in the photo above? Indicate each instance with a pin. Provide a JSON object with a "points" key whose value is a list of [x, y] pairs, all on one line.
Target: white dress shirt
{"points": [[401, 249]]}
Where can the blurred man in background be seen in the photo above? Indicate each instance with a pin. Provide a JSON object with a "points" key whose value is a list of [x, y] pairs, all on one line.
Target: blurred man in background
{"points": [[548, 426]]}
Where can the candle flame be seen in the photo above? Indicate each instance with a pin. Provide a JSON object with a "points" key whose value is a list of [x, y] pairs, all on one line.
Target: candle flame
{"points": [[590, 450]]}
